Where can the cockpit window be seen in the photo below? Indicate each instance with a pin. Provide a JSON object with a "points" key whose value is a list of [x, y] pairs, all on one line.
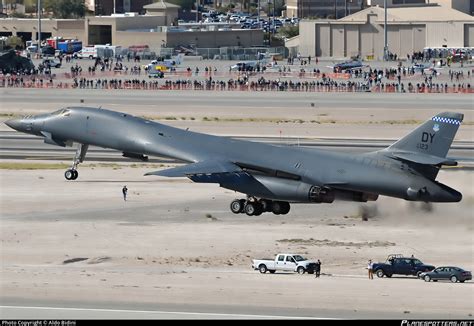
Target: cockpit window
{"points": [[62, 112]]}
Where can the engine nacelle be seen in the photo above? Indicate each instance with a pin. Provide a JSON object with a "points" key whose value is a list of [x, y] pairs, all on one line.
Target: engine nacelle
{"points": [[267, 187], [321, 194], [281, 189], [262, 186], [357, 196]]}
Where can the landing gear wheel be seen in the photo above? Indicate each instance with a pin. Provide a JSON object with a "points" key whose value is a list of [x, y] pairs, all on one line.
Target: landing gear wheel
{"points": [[276, 207], [286, 208], [236, 206], [75, 174], [69, 174], [249, 208], [280, 207], [266, 205], [253, 209]]}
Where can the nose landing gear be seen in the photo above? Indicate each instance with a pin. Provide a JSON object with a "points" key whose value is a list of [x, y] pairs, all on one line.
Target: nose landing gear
{"points": [[71, 173]]}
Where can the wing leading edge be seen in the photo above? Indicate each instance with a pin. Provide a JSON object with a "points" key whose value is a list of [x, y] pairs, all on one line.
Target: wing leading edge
{"points": [[198, 168]]}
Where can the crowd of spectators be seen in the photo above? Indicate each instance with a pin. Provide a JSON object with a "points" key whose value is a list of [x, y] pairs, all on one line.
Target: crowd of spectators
{"points": [[110, 74]]}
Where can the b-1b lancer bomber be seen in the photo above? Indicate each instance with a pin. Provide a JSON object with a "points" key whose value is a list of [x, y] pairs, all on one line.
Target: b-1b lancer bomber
{"points": [[270, 176]]}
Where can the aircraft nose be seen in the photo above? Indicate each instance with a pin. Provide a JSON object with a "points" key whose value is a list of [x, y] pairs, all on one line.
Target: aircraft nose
{"points": [[14, 124]]}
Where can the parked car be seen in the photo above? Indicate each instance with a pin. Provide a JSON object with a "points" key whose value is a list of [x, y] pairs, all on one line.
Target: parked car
{"points": [[398, 264], [454, 274], [54, 63], [48, 51], [284, 262]]}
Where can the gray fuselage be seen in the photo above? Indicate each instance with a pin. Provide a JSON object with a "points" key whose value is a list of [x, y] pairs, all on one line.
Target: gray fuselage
{"points": [[373, 173]]}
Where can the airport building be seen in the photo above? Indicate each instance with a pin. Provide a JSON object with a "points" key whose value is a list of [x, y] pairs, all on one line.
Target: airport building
{"points": [[333, 9], [153, 29], [109, 7], [409, 29]]}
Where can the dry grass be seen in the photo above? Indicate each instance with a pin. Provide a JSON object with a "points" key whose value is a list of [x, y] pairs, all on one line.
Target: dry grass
{"points": [[32, 166]]}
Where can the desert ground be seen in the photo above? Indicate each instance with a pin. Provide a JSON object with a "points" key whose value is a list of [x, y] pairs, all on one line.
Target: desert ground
{"points": [[174, 246]]}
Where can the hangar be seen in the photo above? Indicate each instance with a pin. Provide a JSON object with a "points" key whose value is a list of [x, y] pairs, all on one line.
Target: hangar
{"points": [[409, 29]]}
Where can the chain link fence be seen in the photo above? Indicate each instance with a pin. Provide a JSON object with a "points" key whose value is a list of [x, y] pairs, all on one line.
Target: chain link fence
{"points": [[227, 53]]}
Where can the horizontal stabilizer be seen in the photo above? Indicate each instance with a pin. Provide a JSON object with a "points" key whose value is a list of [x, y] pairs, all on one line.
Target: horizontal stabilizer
{"points": [[424, 158], [204, 167]]}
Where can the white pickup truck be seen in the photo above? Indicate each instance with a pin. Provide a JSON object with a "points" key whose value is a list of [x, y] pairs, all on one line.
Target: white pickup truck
{"points": [[284, 262]]}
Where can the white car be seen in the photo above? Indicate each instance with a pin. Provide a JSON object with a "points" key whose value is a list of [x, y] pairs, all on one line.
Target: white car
{"points": [[52, 62]]}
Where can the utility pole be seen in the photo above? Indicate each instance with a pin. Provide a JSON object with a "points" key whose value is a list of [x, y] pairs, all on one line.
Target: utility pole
{"points": [[385, 42], [274, 16], [269, 2], [258, 14], [335, 9], [39, 26]]}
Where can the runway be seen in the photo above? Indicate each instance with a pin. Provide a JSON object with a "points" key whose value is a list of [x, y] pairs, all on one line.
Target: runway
{"points": [[268, 103], [24, 312], [14, 145]]}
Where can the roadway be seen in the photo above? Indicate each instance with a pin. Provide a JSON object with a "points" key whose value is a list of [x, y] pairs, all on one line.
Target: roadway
{"points": [[14, 145]]}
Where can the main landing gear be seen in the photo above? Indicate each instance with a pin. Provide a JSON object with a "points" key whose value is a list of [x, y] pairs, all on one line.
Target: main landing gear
{"points": [[254, 207], [71, 173]]}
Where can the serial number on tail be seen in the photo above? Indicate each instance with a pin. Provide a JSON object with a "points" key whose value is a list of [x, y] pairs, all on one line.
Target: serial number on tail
{"points": [[422, 146]]}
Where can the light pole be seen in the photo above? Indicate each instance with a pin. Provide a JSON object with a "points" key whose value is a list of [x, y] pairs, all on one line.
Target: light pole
{"points": [[274, 26], [269, 25], [197, 11], [385, 43], [39, 26], [258, 14]]}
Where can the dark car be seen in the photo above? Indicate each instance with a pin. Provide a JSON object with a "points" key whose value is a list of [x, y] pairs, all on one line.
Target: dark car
{"points": [[397, 264], [347, 65], [454, 274], [48, 50]]}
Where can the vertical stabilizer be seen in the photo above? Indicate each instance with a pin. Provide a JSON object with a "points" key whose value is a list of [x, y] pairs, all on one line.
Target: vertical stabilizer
{"points": [[434, 137]]}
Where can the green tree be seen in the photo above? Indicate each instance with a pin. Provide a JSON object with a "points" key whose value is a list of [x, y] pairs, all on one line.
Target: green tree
{"points": [[289, 31], [65, 8], [15, 42]]}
